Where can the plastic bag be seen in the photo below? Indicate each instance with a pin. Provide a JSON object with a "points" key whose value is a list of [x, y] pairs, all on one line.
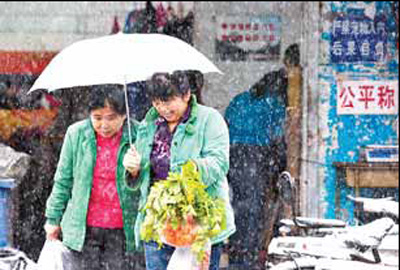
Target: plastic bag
{"points": [[56, 256], [184, 259], [184, 235]]}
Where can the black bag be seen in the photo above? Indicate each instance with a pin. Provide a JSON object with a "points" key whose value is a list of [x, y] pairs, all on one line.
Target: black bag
{"points": [[13, 259]]}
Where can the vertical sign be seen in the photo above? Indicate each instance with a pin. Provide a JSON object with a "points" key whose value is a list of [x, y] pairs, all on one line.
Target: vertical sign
{"points": [[358, 39], [368, 97], [243, 38]]}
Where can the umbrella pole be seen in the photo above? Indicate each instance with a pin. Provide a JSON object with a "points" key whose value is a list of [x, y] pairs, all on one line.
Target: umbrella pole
{"points": [[127, 113]]}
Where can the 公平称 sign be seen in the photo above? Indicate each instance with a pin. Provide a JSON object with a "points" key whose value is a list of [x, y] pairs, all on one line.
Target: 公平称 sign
{"points": [[367, 97]]}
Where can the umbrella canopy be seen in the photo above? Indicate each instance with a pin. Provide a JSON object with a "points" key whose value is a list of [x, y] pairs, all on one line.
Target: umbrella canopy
{"points": [[120, 59]]}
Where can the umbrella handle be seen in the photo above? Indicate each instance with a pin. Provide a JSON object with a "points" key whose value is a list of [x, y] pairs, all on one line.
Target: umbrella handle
{"points": [[127, 112]]}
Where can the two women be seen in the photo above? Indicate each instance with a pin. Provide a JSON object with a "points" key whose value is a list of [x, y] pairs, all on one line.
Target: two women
{"points": [[175, 130]]}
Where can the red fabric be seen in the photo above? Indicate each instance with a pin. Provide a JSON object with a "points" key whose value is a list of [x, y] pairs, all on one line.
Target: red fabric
{"points": [[104, 206], [24, 62], [116, 28], [161, 16]]}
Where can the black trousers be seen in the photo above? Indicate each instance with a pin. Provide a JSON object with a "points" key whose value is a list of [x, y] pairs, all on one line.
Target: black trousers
{"points": [[104, 249], [252, 176]]}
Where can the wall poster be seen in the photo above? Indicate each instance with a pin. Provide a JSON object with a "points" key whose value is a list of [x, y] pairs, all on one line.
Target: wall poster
{"points": [[244, 38]]}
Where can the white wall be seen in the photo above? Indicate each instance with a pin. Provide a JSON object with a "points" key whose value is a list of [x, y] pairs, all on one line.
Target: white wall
{"points": [[38, 26], [311, 184]]}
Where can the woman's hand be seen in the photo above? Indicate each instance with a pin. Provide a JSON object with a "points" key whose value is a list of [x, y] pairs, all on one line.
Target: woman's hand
{"points": [[52, 231], [131, 161]]}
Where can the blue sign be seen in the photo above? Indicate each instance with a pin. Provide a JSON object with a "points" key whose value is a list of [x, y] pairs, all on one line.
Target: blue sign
{"points": [[358, 39]]}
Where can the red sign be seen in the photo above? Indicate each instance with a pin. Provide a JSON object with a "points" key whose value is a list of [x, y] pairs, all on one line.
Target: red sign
{"points": [[368, 97]]}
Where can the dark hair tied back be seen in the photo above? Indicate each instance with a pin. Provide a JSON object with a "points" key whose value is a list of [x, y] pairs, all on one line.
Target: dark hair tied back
{"points": [[163, 86]]}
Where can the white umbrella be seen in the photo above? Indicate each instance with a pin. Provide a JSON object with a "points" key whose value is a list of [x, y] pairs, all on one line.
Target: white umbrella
{"points": [[120, 59]]}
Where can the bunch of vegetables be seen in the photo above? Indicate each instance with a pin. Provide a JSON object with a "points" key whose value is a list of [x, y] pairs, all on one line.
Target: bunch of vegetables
{"points": [[180, 212]]}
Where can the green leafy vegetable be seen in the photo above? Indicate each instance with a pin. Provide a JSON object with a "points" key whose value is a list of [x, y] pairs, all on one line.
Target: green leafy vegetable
{"points": [[181, 211]]}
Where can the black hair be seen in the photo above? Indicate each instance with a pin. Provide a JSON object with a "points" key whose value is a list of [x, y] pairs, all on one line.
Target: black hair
{"points": [[109, 94], [164, 86], [8, 83], [292, 55], [196, 79], [196, 82]]}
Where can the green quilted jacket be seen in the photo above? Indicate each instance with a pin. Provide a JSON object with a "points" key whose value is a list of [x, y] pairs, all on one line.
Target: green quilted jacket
{"points": [[68, 203], [204, 138]]}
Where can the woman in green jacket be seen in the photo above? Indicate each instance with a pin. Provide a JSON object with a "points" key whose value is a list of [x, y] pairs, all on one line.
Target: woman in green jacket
{"points": [[90, 207], [177, 129]]}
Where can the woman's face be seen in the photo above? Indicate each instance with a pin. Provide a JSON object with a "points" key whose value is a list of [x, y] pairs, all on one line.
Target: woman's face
{"points": [[173, 109], [106, 122]]}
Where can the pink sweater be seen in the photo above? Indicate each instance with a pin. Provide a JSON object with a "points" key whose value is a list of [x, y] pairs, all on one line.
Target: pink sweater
{"points": [[104, 206]]}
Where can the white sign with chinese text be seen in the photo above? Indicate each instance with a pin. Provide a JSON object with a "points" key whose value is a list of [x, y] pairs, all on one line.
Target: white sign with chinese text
{"points": [[368, 97], [242, 37]]}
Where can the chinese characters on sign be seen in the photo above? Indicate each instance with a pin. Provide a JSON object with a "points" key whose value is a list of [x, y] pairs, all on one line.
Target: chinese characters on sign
{"points": [[243, 38], [358, 39], [368, 97]]}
